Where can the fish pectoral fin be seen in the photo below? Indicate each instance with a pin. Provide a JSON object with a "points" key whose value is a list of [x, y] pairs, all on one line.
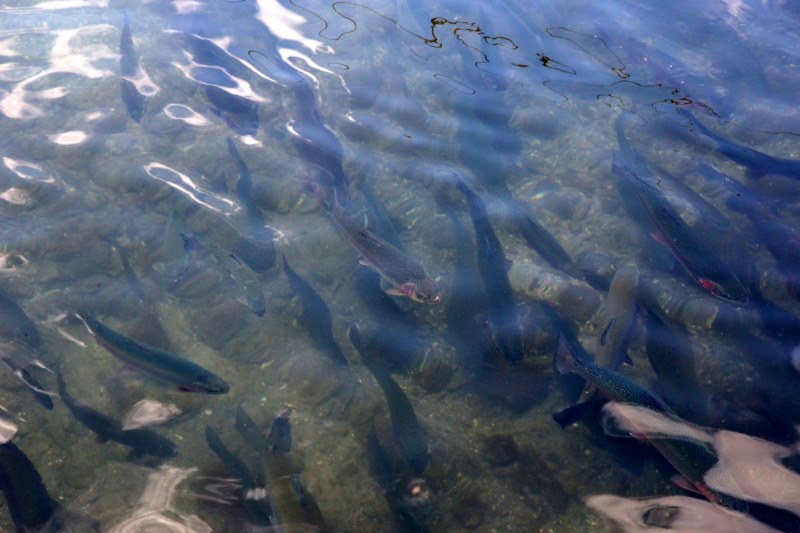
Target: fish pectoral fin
{"points": [[628, 361], [683, 483], [135, 453], [394, 291]]}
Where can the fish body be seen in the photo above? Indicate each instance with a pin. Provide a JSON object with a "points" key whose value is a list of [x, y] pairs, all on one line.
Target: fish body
{"points": [[316, 317], [160, 364], [15, 324], [258, 249], [699, 262], [257, 508], [758, 163], [409, 434], [26, 496], [242, 275], [407, 277], [294, 509], [239, 113], [493, 269], [135, 102], [692, 459], [619, 319], [141, 441]]}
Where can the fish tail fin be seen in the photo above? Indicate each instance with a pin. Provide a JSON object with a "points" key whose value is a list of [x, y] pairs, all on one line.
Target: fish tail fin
{"points": [[563, 358]]}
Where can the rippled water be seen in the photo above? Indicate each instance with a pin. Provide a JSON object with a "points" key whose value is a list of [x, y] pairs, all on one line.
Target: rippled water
{"points": [[198, 182]]}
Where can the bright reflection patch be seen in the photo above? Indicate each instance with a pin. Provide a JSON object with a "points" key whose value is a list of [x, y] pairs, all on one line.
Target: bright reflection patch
{"points": [[186, 114], [69, 137]]}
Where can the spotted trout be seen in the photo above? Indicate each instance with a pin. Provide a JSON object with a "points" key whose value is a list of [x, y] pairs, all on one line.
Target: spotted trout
{"points": [[160, 364], [407, 277], [693, 460]]}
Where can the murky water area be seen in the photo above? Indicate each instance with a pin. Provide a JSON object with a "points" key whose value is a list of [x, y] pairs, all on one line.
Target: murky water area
{"points": [[399, 266]]}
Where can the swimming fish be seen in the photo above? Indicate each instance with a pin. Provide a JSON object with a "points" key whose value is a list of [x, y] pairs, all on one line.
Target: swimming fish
{"points": [[693, 460], [758, 163], [316, 317], [135, 102], [257, 249], [27, 499], [619, 320], [696, 257], [293, 507], [242, 275], [141, 441], [408, 433], [159, 364], [493, 268], [407, 277]]}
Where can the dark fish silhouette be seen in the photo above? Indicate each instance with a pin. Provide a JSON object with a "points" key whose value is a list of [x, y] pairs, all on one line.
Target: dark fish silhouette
{"points": [[493, 268], [408, 433], [135, 102], [316, 317], [141, 441], [758, 163], [27, 499]]}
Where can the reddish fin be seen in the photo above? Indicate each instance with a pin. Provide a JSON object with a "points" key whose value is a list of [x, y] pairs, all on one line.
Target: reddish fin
{"points": [[394, 291], [659, 238]]}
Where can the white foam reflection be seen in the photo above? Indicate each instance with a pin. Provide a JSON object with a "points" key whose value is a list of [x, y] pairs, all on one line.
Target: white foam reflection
{"points": [[148, 412], [156, 511], [747, 467], [283, 24], [184, 183], [53, 5], [69, 137], [28, 170], [186, 114]]}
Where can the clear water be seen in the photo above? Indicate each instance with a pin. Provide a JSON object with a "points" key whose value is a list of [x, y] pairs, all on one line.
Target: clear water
{"points": [[524, 103]]}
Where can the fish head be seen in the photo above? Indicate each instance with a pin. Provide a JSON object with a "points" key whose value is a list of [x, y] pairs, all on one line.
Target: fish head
{"points": [[207, 383], [425, 291]]}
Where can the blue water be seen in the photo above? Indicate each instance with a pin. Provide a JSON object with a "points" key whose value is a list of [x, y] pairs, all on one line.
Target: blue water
{"points": [[593, 135]]}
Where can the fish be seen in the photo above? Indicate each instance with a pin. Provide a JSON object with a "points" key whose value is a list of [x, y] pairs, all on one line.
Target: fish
{"points": [[758, 163], [257, 508], [409, 434], [619, 321], [27, 499], [257, 250], [173, 261], [249, 430], [241, 274], [141, 441], [239, 113], [693, 460], [316, 317], [398, 492], [493, 268], [293, 507], [407, 277], [129, 69], [15, 325], [696, 257], [159, 364]]}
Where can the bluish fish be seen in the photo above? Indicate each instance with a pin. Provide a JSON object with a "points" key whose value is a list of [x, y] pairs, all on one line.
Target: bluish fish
{"points": [[15, 324], [407, 277], [159, 364], [238, 112], [241, 274], [758, 163], [408, 433], [693, 460], [493, 268], [141, 441], [129, 69], [257, 249], [316, 317]]}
